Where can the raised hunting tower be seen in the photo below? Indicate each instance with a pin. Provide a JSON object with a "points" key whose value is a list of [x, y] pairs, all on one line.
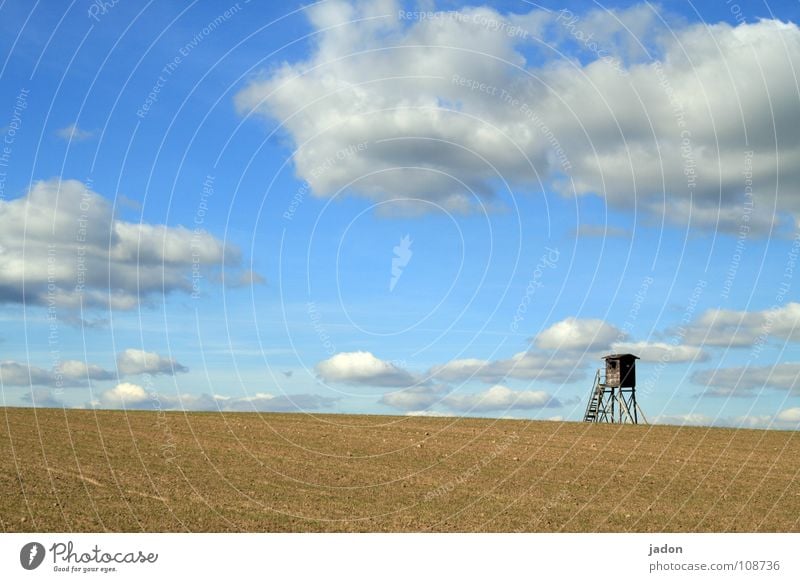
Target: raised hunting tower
{"points": [[613, 396]]}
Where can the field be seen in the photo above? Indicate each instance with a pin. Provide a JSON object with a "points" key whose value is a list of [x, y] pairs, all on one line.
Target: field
{"points": [[83, 470]]}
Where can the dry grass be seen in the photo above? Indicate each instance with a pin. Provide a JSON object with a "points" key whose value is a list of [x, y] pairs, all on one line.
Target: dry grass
{"points": [[96, 471]]}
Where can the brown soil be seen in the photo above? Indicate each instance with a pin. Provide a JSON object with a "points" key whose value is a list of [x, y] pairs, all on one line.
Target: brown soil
{"points": [[83, 470]]}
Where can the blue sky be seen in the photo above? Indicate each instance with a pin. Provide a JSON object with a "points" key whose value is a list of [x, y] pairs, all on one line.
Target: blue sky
{"points": [[394, 208]]}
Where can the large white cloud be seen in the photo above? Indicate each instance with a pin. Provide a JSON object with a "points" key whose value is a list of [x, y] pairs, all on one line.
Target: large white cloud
{"points": [[791, 415], [132, 361], [671, 139], [79, 370], [661, 352], [18, 374], [688, 419], [414, 398], [42, 398], [68, 373], [530, 365], [500, 398], [363, 368], [61, 245], [578, 334], [65, 374], [785, 419], [731, 328], [126, 395], [749, 380], [133, 396], [265, 402]]}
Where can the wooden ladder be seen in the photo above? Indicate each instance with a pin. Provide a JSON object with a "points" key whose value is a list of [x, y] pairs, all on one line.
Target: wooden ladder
{"points": [[593, 407]]}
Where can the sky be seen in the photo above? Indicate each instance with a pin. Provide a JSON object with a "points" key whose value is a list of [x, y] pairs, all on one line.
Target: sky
{"points": [[401, 208]]}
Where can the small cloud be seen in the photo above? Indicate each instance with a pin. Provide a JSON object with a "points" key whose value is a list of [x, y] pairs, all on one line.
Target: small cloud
{"points": [[420, 399], [133, 396], [124, 395], [748, 381], [788, 419], [66, 373], [262, 402], [42, 398], [690, 419], [82, 323], [530, 365], [791, 415], [729, 328], [74, 133], [132, 362], [661, 352], [79, 370], [432, 413], [126, 202], [600, 231], [578, 334], [17, 374], [501, 398], [246, 278], [365, 369], [415, 398]]}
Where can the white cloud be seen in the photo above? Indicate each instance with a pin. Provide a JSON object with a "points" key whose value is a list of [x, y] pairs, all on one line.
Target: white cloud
{"points": [[74, 133], [729, 328], [463, 369], [363, 368], [133, 361], [689, 419], [264, 402], [347, 94], [61, 244], [125, 395], [790, 415], [414, 398], [661, 352], [246, 278], [133, 396], [749, 421], [67, 373], [528, 365], [748, 381], [79, 370], [42, 398], [500, 398], [785, 419], [578, 334], [389, 84], [422, 398], [16, 374], [431, 413]]}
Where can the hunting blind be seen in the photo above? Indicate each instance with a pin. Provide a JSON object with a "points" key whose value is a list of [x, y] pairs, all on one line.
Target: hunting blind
{"points": [[613, 395]]}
